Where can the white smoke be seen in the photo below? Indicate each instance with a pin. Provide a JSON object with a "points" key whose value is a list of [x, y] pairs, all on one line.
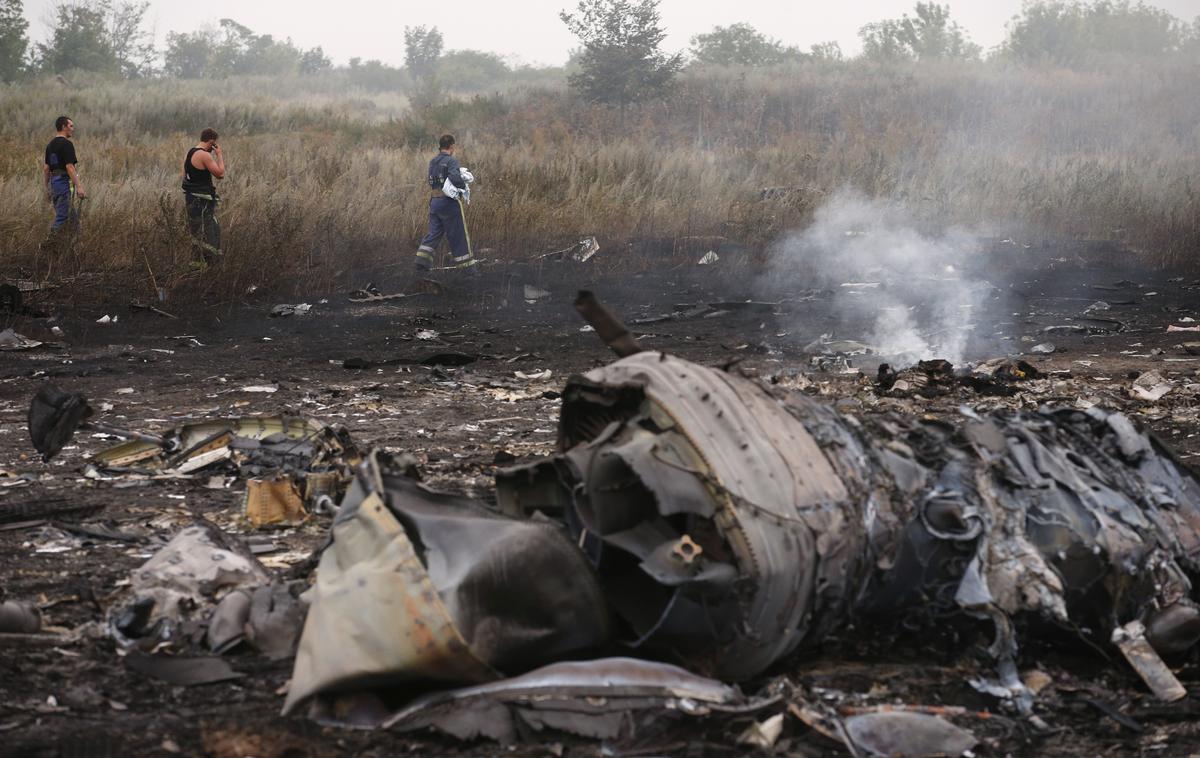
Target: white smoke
{"points": [[903, 292]]}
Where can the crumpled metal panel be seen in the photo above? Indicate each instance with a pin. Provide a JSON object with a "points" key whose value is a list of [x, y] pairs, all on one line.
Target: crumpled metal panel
{"points": [[598, 699], [419, 587]]}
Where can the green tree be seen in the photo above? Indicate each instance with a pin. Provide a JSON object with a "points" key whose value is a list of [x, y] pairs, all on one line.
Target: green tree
{"points": [[826, 52], [1075, 33], [190, 55], [314, 61], [740, 45], [620, 62], [422, 48], [927, 35], [98, 36], [13, 42], [376, 76], [472, 70]]}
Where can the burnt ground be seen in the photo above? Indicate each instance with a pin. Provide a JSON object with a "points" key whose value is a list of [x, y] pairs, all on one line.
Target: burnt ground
{"points": [[74, 697]]}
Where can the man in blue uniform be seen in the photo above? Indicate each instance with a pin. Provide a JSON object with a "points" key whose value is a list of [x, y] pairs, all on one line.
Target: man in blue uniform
{"points": [[62, 179], [446, 217]]}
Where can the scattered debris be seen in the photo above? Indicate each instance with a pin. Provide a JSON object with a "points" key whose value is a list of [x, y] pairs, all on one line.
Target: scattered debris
{"points": [[708, 259], [580, 252], [266, 389], [533, 375], [136, 306], [106, 319], [533, 294], [1044, 348], [173, 592], [426, 335], [10, 340], [763, 734], [290, 309], [1151, 386]]}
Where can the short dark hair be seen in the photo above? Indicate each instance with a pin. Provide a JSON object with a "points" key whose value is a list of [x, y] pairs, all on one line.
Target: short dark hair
{"points": [[208, 134], [445, 141], [61, 122]]}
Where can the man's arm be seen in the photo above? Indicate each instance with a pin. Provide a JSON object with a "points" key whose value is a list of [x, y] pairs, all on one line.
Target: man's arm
{"points": [[75, 180], [454, 173], [214, 161]]}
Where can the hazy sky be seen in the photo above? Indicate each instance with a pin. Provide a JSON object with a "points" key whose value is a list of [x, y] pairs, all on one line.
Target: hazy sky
{"points": [[531, 31]]}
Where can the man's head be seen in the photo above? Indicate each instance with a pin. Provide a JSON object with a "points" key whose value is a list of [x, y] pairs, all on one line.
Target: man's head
{"points": [[446, 142], [209, 136], [64, 126]]}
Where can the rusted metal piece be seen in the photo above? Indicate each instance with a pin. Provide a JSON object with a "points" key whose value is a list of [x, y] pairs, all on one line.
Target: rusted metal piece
{"points": [[1131, 640], [608, 327], [273, 502]]}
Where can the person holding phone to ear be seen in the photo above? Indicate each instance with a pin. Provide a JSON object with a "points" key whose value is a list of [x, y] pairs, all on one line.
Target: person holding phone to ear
{"points": [[204, 163]]}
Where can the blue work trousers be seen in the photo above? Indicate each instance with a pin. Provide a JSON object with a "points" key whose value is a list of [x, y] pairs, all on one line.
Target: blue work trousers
{"points": [[62, 195], [446, 219]]}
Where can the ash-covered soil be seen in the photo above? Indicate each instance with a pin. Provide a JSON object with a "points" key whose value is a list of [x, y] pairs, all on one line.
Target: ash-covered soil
{"points": [[78, 699]]}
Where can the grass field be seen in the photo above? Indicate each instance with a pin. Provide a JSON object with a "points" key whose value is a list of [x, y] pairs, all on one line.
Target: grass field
{"points": [[325, 179]]}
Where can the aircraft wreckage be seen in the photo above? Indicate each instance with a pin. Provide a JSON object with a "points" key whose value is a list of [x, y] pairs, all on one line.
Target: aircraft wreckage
{"points": [[698, 525]]}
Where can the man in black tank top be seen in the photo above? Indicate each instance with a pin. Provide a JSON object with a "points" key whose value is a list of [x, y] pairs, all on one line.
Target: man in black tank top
{"points": [[203, 163]]}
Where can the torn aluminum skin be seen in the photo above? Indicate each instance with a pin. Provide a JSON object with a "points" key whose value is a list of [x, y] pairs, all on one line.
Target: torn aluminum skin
{"points": [[421, 587], [601, 699]]}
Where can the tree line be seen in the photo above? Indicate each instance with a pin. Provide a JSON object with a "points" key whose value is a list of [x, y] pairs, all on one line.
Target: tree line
{"points": [[619, 59]]}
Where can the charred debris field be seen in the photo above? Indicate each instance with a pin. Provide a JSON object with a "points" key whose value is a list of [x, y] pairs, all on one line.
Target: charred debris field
{"points": [[776, 525]]}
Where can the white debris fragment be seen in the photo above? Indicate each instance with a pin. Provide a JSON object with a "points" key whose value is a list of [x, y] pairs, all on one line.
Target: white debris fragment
{"points": [[264, 388], [533, 375], [709, 258], [291, 309], [533, 294], [763, 734], [427, 334], [106, 319], [1151, 386], [1044, 348]]}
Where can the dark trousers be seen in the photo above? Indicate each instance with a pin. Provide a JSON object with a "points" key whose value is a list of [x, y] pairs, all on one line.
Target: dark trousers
{"points": [[203, 226], [446, 219], [62, 195], [65, 227]]}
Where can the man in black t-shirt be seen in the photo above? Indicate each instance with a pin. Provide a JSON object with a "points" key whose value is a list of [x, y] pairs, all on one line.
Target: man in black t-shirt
{"points": [[62, 178], [203, 163]]}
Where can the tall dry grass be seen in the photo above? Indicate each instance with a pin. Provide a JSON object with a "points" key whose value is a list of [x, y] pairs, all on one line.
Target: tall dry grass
{"points": [[326, 181]]}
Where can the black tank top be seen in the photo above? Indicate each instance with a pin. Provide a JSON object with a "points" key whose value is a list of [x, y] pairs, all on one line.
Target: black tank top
{"points": [[197, 180]]}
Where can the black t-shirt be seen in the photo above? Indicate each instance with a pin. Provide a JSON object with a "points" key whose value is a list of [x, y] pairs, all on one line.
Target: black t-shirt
{"points": [[59, 153], [197, 180]]}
